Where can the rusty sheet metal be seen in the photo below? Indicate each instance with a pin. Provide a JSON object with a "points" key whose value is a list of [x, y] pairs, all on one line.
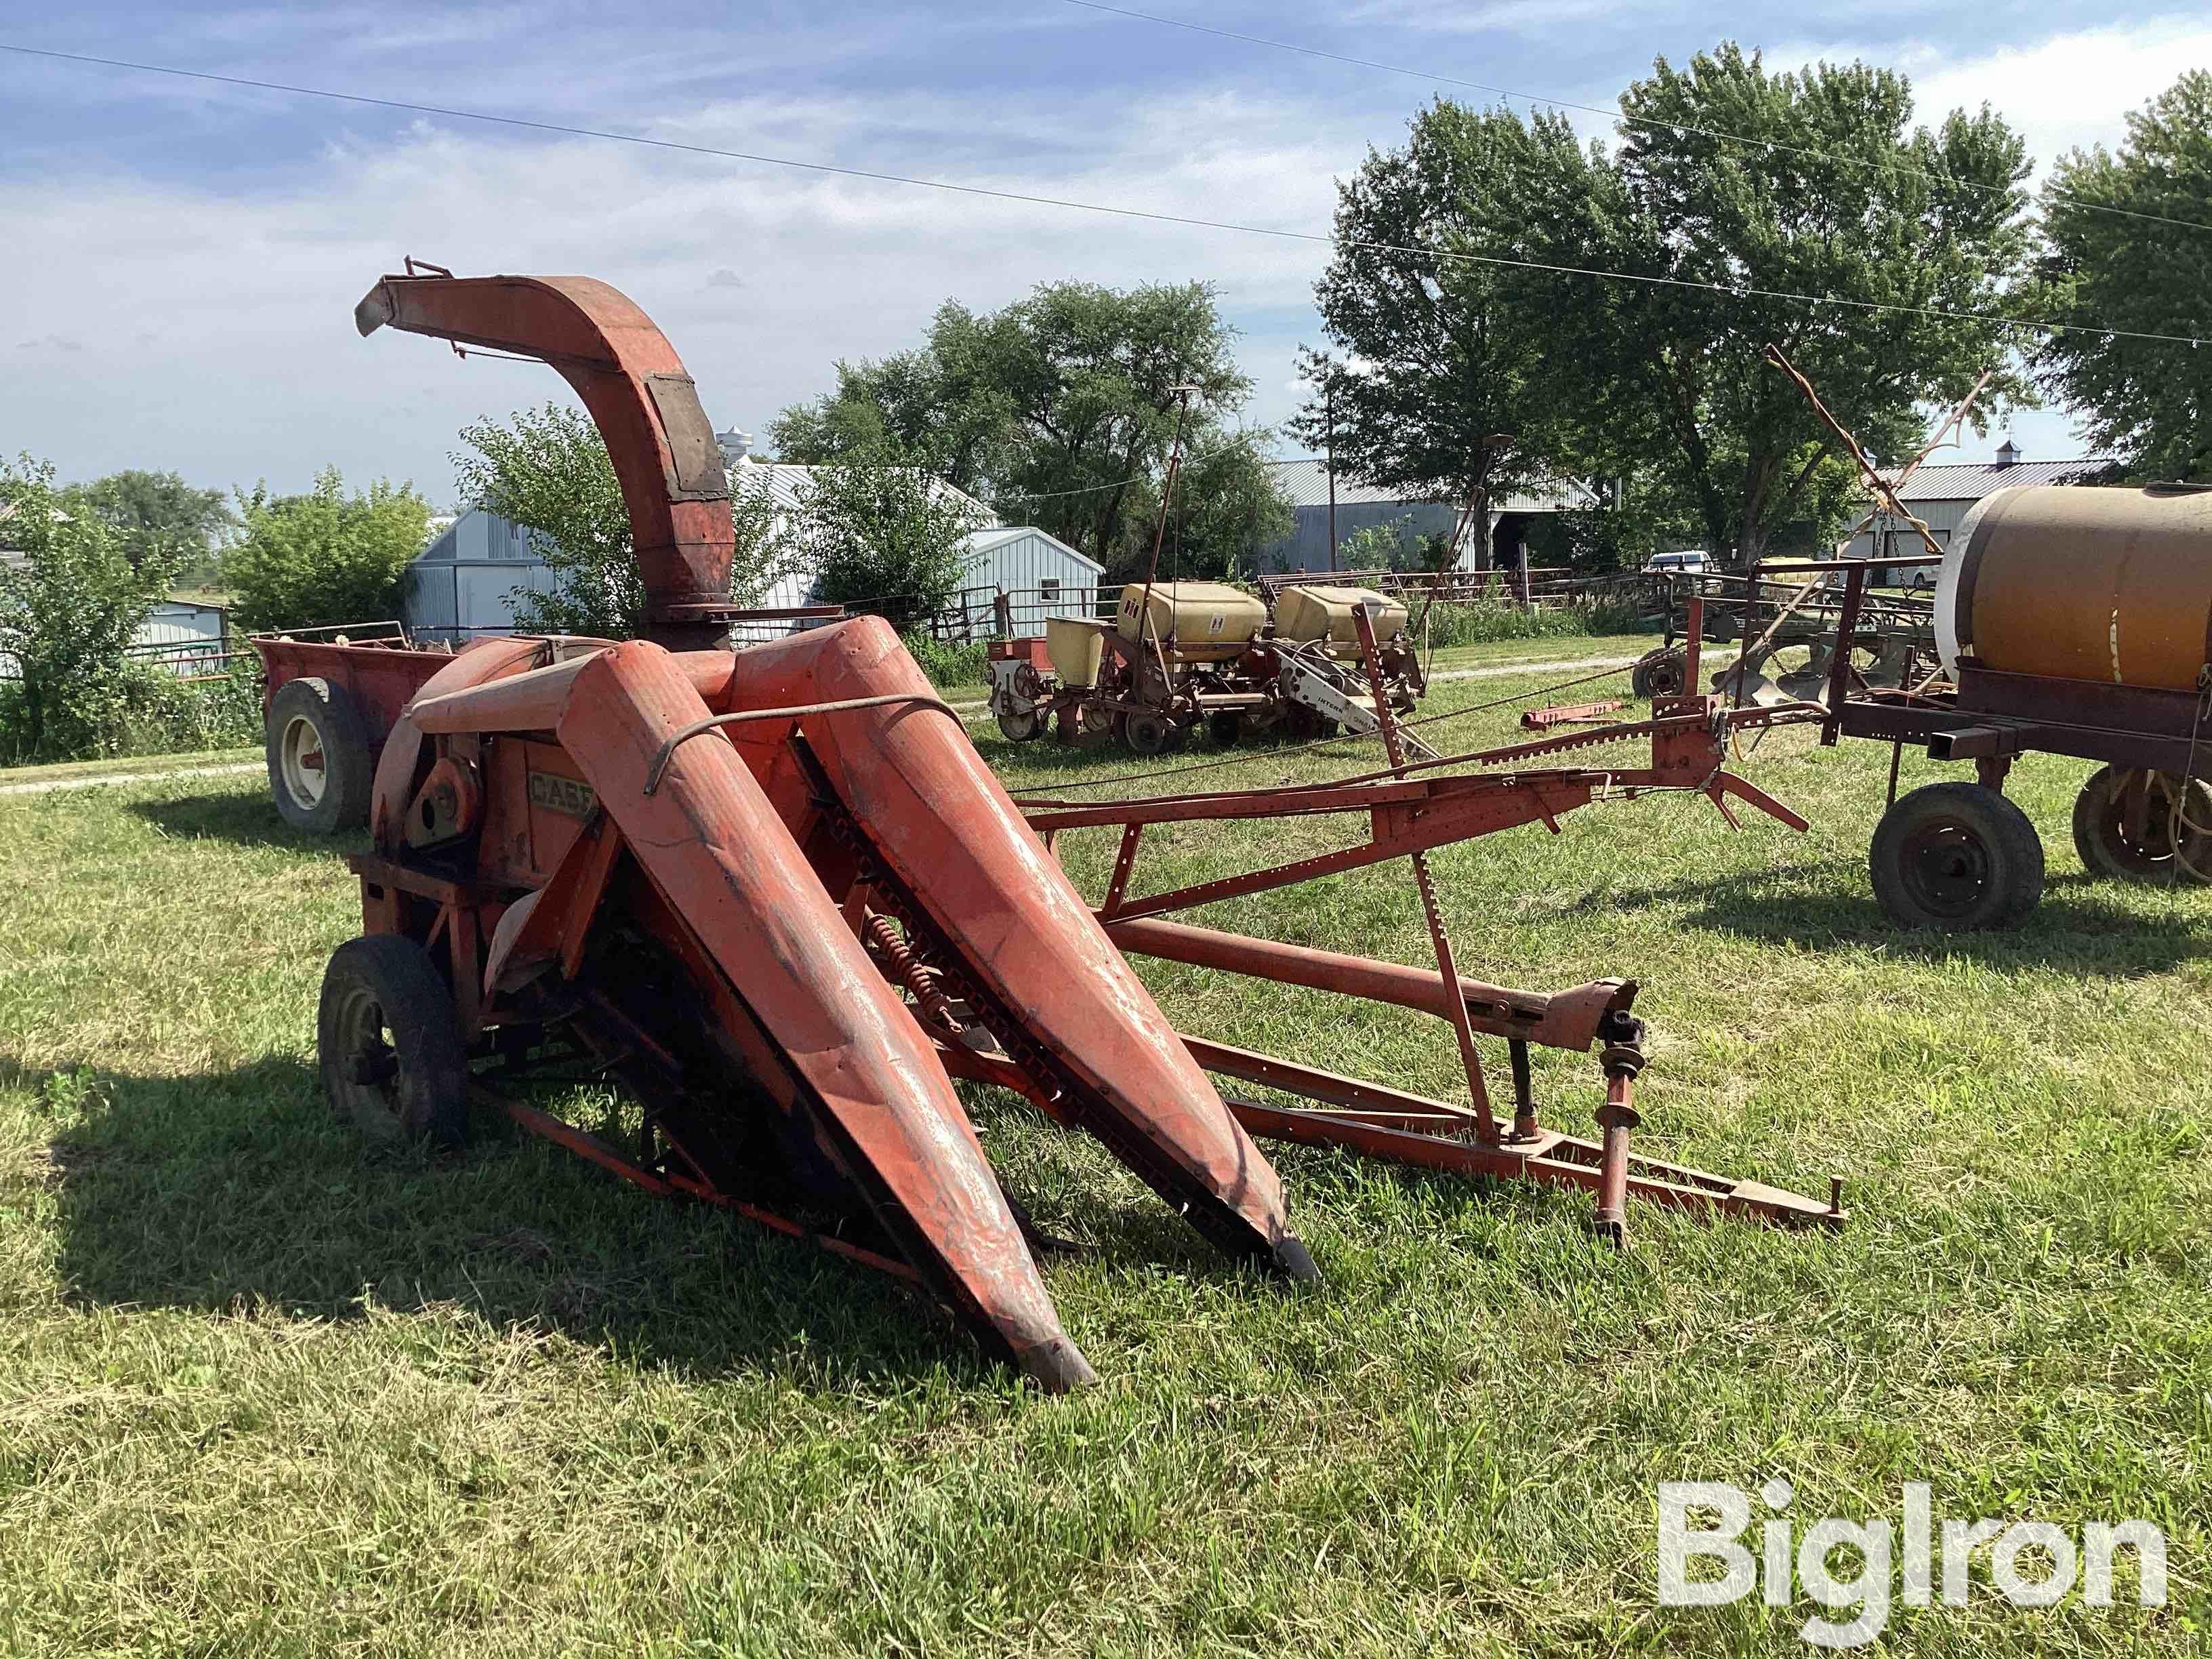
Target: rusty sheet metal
{"points": [[645, 405], [726, 865], [939, 819]]}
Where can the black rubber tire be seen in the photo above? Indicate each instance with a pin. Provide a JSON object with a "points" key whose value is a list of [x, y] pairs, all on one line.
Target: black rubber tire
{"points": [[1226, 728], [1956, 857], [388, 1044], [2100, 841], [1660, 674], [348, 768], [1147, 735]]}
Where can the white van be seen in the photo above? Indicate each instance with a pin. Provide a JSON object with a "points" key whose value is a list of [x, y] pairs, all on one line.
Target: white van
{"points": [[1693, 562]]}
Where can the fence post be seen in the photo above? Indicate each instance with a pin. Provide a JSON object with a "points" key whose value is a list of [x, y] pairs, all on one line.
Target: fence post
{"points": [[1002, 615]]}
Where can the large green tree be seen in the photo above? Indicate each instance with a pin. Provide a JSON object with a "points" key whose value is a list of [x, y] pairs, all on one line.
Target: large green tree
{"points": [[329, 557], [882, 534], [157, 515], [547, 470], [1060, 411], [71, 598], [2146, 402], [1427, 388], [1911, 237]]}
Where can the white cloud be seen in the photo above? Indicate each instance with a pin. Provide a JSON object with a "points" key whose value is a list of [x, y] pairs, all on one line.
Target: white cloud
{"points": [[213, 322], [2060, 93], [253, 367]]}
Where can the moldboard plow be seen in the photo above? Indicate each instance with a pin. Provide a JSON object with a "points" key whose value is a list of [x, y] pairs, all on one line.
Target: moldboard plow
{"points": [[778, 896]]}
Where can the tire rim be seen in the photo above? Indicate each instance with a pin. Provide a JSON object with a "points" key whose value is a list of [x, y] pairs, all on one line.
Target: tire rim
{"points": [[2152, 855], [1666, 678], [1945, 868], [305, 767], [368, 1066]]}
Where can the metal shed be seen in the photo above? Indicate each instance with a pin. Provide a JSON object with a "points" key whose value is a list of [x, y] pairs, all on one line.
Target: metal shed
{"points": [[1029, 561], [1360, 506], [1940, 496], [463, 584]]}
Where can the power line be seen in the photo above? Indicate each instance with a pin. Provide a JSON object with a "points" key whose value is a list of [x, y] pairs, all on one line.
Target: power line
{"points": [[1612, 114], [1324, 238], [1057, 495]]}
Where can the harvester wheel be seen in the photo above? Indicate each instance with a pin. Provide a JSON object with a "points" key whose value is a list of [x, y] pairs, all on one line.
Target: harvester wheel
{"points": [[319, 765], [1020, 728], [2109, 847], [391, 1050], [1226, 728], [1957, 857], [1661, 673]]}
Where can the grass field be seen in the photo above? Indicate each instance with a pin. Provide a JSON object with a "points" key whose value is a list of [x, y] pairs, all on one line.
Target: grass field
{"points": [[262, 1392]]}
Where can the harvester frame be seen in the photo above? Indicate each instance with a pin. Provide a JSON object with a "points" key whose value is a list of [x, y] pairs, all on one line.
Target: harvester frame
{"points": [[776, 893]]}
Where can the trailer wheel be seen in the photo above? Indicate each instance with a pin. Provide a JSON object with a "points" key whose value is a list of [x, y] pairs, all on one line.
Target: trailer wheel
{"points": [[389, 1046], [319, 767], [1957, 857], [1226, 728], [1661, 673], [2107, 846]]}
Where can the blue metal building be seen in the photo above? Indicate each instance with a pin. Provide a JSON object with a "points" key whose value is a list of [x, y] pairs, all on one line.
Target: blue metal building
{"points": [[1359, 506], [463, 584]]}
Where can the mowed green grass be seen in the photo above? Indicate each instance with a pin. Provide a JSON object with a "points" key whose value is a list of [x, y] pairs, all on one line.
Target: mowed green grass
{"points": [[264, 1392]]}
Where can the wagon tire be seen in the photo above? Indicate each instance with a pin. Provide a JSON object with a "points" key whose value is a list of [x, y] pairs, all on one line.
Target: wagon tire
{"points": [[1956, 857], [1663, 673], [320, 768], [2100, 834], [389, 1044]]}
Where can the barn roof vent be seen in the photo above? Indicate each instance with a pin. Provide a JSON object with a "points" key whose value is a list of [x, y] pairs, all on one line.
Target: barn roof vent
{"points": [[735, 445], [2008, 452]]}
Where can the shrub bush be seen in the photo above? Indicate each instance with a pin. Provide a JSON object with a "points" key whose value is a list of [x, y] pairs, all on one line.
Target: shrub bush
{"points": [[947, 664], [139, 709], [325, 557], [1484, 621]]}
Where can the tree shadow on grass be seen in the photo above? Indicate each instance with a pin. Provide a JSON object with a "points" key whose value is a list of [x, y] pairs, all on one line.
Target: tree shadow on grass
{"points": [[243, 820], [241, 1190], [2076, 926]]}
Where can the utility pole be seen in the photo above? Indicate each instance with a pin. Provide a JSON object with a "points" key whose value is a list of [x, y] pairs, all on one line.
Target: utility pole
{"points": [[1328, 451]]}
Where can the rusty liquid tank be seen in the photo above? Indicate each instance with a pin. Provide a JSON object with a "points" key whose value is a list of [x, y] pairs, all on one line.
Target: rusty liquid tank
{"points": [[2109, 584]]}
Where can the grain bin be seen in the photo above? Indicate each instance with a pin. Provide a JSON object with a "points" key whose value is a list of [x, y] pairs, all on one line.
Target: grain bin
{"points": [[2113, 585]]}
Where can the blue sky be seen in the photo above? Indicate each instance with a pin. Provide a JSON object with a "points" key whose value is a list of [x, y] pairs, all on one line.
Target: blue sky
{"points": [[184, 258]]}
